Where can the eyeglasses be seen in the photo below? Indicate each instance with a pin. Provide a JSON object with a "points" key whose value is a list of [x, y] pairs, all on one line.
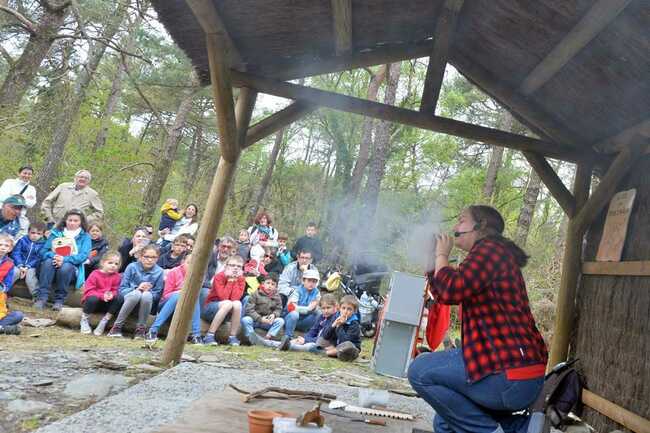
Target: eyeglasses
{"points": [[268, 256]]}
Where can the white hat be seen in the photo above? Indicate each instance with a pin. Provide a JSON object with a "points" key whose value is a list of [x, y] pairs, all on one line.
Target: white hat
{"points": [[311, 274]]}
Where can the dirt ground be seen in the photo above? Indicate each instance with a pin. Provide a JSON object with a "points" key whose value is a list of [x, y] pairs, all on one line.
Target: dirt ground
{"points": [[44, 371]]}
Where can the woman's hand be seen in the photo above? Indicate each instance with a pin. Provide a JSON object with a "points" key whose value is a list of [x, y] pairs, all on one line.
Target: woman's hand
{"points": [[444, 244]]}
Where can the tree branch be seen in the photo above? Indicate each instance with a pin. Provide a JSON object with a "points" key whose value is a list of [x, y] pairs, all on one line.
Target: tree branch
{"points": [[154, 111], [109, 43], [135, 164], [54, 7], [5, 55], [24, 22]]}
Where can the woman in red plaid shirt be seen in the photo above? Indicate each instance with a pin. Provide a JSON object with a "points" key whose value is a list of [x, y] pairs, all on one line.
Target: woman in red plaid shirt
{"points": [[500, 368]]}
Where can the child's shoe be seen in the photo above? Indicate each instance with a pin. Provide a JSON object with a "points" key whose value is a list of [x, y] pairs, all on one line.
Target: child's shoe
{"points": [[10, 329], [152, 336], [285, 343], [84, 325], [255, 339], [209, 340], [233, 341], [39, 305], [140, 332], [101, 327], [196, 340], [116, 331]]}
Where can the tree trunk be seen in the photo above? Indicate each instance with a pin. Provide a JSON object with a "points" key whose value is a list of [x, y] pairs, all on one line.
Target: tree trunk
{"points": [[266, 180], [70, 110], [496, 160], [116, 88], [22, 72], [164, 159], [381, 148], [528, 208], [194, 157]]}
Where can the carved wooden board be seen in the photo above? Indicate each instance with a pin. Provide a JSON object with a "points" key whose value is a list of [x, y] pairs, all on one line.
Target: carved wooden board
{"points": [[611, 244]]}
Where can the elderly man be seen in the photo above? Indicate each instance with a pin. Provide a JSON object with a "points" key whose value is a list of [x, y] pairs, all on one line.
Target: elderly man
{"points": [[10, 215], [73, 195]]}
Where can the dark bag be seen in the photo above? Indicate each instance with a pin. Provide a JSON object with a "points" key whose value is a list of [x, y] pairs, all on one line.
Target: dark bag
{"points": [[561, 394]]}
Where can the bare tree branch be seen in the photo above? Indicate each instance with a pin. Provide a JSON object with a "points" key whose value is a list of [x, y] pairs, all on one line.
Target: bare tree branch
{"points": [[54, 7], [154, 111], [5, 55], [126, 167], [24, 22], [109, 43]]}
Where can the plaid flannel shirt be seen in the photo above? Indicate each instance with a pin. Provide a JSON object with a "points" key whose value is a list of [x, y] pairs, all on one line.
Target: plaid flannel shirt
{"points": [[498, 328]]}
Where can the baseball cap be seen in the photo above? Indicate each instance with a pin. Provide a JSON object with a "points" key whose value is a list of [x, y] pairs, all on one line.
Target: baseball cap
{"points": [[311, 274], [15, 200]]}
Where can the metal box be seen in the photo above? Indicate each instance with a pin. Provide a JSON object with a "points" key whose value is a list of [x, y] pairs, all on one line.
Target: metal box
{"points": [[401, 318]]}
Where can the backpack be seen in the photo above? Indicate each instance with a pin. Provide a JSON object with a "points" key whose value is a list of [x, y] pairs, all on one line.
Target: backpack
{"points": [[561, 394]]}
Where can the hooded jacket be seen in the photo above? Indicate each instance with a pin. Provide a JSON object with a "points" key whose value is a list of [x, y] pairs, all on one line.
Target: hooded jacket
{"points": [[349, 331], [261, 304], [82, 240], [27, 253]]}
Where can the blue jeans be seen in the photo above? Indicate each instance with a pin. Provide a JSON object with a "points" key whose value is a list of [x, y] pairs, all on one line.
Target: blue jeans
{"points": [[464, 407], [62, 278], [249, 326], [12, 318], [166, 312], [301, 322]]}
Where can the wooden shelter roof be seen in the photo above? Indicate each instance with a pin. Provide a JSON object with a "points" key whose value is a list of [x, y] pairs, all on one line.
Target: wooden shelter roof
{"points": [[574, 71]]}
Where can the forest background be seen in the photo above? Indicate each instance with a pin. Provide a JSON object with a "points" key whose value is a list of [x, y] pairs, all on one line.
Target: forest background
{"points": [[100, 85]]}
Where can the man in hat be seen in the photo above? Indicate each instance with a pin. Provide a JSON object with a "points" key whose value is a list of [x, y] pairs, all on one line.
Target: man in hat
{"points": [[73, 195], [10, 215]]}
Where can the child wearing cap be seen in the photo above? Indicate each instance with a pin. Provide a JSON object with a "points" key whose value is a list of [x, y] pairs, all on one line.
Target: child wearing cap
{"points": [[302, 305]]}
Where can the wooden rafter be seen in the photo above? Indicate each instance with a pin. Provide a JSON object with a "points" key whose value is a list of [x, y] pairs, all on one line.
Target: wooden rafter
{"points": [[211, 23], [277, 121], [617, 142], [554, 184], [404, 116], [342, 25], [243, 113], [592, 23], [442, 41]]}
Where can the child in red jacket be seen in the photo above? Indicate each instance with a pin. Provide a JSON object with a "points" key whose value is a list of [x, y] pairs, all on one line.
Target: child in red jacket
{"points": [[101, 292], [224, 299]]}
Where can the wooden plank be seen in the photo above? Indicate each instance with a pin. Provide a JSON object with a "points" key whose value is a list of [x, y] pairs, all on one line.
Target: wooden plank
{"points": [[565, 309], [243, 113], [404, 116], [442, 41], [211, 23], [616, 413], [631, 268], [275, 122], [618, 141], [554, 184], [342, 24], [610, 248], [592, 23]]}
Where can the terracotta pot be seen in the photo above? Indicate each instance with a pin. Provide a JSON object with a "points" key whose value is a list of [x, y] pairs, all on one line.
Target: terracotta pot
{"points": [[261, 421]]}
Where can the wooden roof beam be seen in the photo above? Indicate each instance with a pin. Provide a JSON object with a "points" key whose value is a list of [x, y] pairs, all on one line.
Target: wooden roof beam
{"points": [[277, 121], [552, 181], [593, 22], [211, 23], [619, 141], [342, 23], [401, 115], [442, 41]]}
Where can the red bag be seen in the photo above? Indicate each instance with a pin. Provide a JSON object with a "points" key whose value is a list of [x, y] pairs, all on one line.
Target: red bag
{"points": [[437, 323]]}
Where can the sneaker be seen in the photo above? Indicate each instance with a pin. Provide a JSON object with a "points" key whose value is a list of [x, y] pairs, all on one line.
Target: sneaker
{"points": [[152, 336], [285, 343], [57, 306], [196, 340], [255, 339], [233, 341], [39, 305], [116, 331], [85, 326], [347, 351], [140, 332], [101, 327], [10, 329], [209, 340]]}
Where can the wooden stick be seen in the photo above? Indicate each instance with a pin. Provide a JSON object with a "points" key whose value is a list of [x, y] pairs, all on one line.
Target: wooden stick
{"points": [[564, 312], [401, 115], [616, 413], [554, 184], [277, 121], [342, 25], [442, 40], [309, 395], [632, 268]]}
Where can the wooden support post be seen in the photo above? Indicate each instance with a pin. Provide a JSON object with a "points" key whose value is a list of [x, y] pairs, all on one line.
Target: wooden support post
{"points": [[554, 184], [404, 116], [610, 182], [243, 113], [564, 311], [342, 25], [277, 121], [616, 413], [214, 208], [442, 41]]}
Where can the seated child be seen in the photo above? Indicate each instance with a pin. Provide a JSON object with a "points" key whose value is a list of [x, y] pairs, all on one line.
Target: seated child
{"points": [[98, 246], [302, 305], [344, 333], [170, 214], [311, 342], [101, 293], [174, 257], [244, 244], [27, 256], [284, 253], [9, 320], [142, 284], [224, 299], [173, 285], [263, 309]]}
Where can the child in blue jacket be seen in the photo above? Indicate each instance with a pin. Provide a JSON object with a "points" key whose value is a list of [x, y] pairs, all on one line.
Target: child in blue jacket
{"points": [[27, 255], [344, 332]]}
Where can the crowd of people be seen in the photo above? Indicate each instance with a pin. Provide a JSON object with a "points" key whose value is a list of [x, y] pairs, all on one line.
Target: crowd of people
{"points": [[254, 282]]}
